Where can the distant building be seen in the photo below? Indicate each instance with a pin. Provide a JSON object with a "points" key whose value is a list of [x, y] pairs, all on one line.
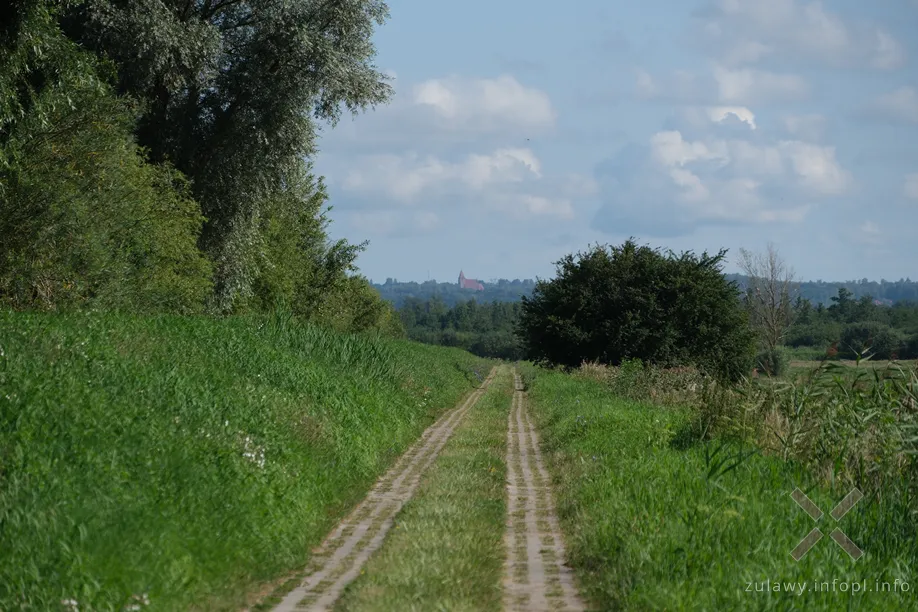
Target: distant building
{"points": [[469, 283]]}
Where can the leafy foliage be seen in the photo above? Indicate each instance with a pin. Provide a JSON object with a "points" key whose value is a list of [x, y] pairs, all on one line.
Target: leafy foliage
{"points": [[873, 338], [612, 304], [487, 330], [855, 325], [84, 219], [230, 91], [124, 124]]}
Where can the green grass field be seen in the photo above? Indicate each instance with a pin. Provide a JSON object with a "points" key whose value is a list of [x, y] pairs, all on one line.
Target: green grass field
{"points": [[655, 522], [186, 460]]}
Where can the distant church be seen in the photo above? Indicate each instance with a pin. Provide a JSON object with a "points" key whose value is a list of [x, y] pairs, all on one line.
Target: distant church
{"points": [[469, 283]]}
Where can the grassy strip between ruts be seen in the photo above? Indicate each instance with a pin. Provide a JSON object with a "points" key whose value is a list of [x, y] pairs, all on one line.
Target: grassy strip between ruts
{"points": [[446, 550], [181, 461], [654, 525]]}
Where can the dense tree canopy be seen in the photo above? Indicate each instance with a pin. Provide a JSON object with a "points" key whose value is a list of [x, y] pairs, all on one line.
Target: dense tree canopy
{"points": [[156, 155], [627, 302], [487, 330], [230, 91]]}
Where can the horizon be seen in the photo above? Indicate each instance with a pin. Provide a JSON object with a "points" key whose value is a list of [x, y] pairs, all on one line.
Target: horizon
{"points": [[691, 126], [533, 278]]}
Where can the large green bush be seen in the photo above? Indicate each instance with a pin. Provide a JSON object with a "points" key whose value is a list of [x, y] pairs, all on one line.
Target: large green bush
{"points": [[629, 302], [818, 334], [876, 339]]}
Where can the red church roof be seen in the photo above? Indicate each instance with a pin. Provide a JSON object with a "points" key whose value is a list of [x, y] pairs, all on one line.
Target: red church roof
{"points": [[469, 283]]}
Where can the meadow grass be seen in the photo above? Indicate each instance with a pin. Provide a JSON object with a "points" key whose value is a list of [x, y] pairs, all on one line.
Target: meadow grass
{"points": [[657, 520], [180, 461], [446, 549]]}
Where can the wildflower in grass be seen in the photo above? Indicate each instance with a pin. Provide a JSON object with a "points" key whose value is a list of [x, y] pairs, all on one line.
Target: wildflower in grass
{"points": [[139, 602], [254, 453], [70, 604]]}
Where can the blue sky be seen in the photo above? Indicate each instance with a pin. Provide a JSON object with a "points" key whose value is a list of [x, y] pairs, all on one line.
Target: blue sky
{"points": [[524, 130]]}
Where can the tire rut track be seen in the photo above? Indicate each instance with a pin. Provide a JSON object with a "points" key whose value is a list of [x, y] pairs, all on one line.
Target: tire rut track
{"points": [[347, 548], [535, 577]]}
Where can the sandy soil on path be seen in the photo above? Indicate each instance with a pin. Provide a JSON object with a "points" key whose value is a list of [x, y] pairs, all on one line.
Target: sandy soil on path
{"points": [[536, 579]]}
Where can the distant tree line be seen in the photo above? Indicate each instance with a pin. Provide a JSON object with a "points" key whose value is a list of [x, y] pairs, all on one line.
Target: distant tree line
{"points": [[450, 294], [822, 292], [852, 326], [817, 292], [487, 330]]}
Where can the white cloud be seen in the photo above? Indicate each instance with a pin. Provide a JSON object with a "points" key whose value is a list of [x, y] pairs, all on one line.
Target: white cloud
{"points": [[718, 114], [509, 180], [406, 177], [746, 86], [669, 149], [462, 101], [901, 104], [747, 31], [910, 188], [728, 179], [816, 166]]}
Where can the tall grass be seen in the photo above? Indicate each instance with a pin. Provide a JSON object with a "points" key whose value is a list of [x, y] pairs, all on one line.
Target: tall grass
{"points": [[683, 506], [179, 461]]}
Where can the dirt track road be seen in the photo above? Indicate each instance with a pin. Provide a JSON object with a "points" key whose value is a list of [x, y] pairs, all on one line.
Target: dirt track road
{"points": [[340, 558], [536, 579]]}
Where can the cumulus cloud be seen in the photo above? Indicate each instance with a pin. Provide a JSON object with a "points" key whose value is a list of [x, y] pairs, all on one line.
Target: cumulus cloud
{"points": [[719, 114], [461, 102], [747, 31], [406, 177], [508, 179], [910, 188], [446, 111], [898, 105], [673, 184]]}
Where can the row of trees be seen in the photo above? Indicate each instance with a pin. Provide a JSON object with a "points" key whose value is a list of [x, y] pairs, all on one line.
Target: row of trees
{"points": [[487, 330], [154, 155], [500, 290], [503, 290]]}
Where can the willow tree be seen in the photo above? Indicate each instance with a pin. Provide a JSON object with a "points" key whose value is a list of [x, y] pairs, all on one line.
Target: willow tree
{"points": [[233, 91]]}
